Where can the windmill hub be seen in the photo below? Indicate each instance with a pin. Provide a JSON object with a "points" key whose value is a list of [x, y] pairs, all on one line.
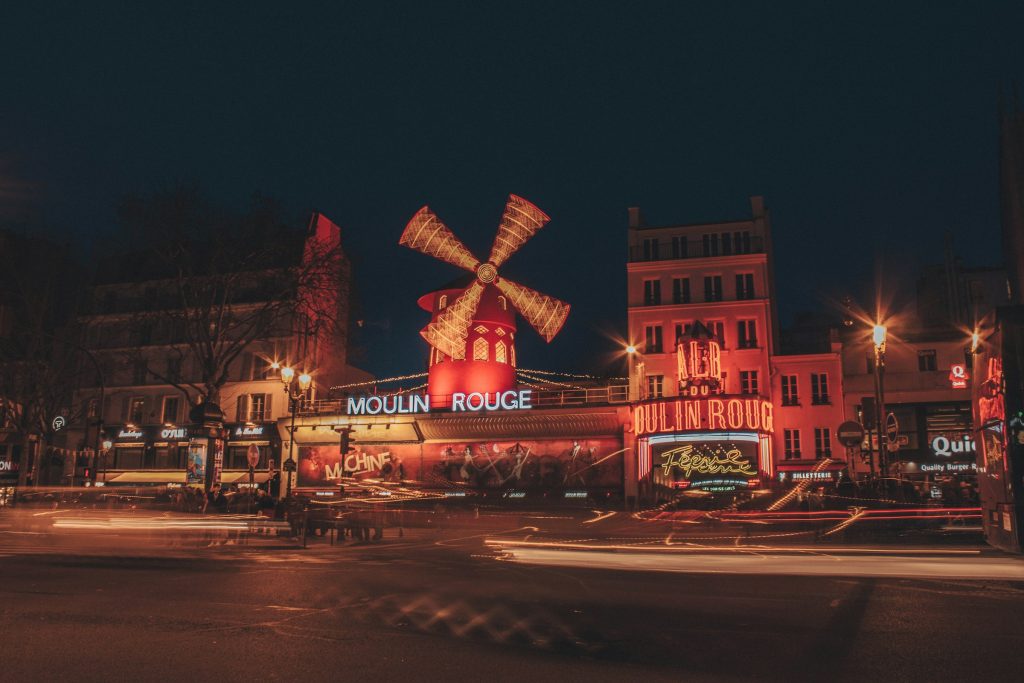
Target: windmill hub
{"points": [[487, 273]]}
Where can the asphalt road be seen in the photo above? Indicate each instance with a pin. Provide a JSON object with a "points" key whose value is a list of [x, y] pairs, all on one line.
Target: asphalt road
{"points": [[442, 605]]}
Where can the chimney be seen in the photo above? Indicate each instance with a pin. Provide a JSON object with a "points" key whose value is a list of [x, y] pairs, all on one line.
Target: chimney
{"points": [[636, 219], [757, 206]]}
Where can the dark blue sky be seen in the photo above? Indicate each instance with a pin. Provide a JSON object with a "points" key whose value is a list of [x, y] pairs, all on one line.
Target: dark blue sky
{"points": [[868, 127]]}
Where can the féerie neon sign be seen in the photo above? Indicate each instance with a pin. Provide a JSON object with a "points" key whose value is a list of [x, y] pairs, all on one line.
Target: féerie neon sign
{"points": [[685, 459]]}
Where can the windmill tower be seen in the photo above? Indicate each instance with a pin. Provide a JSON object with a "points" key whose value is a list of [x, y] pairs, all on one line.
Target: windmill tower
{"points": [[472, 326]]}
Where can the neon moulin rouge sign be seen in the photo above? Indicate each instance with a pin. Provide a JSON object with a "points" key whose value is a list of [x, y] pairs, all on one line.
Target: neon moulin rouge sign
{"points": [[702, 414], [473, 402]]}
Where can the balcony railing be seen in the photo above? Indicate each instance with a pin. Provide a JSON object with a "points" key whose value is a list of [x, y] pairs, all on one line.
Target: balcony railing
{"points": [[541, 398], [694, 249]]}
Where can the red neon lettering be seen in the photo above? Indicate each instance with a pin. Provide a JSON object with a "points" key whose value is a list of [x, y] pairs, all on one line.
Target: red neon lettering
{"points": [[692, 415], [767, 419], [716, 417], [663, 418], [734, 410], [753, 411]]}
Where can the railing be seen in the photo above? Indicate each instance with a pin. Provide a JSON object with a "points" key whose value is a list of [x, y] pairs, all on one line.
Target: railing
{"points": [[540, 398], [693, 249]]}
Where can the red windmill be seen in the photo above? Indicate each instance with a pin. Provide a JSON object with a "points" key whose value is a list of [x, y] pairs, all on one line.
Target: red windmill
{"points": [[472, 326]]}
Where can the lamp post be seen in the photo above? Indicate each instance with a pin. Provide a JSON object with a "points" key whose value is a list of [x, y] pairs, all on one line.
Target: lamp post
{"points": [[295, 389], [878, 335]]}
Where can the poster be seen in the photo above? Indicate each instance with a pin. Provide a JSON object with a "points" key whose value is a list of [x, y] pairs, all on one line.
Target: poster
{"points": [[218, 461], [709, 462], [528, 464], [195, 469]]}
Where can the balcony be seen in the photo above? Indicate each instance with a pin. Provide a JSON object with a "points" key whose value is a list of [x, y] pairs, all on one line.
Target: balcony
{"points": [[694, 250]]}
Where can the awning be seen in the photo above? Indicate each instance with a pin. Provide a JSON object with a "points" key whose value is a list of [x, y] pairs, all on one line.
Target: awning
{"points": [[242, 477], [145, 477]]}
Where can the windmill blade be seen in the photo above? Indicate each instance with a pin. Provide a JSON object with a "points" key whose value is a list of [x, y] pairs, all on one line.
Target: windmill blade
{"points": [[448, 333], [427, 234], [519, 223], [547, 314]]}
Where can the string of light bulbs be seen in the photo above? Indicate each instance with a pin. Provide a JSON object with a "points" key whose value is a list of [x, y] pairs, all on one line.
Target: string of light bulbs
{"points": [[571, 374], [386, 380]]}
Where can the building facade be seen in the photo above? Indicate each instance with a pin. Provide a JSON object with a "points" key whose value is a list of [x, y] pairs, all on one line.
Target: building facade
{"points": [[150, 372], [721, 275]]}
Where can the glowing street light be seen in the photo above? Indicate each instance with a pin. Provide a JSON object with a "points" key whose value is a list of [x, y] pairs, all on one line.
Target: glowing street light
{"points": [[296, 392], [878, 336]]}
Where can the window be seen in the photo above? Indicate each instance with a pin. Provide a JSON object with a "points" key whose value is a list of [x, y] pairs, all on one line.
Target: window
{"points": [[655, 386], [499, 352], [745, 286], [480, 349], [682, 330], [741, 242], [503, 302], [136, 410], [253, 407], [261, 368], [652, 339], [717, 328], [713, 288], [679, 246], [748, 382], [680, 290], [790, 396], [442, 301], [822, 443], [170, 411], [237, 458], [174, 369], [747, 334], [819, 388], [652, 292], [926, 360], [710, 245], [791, 443], [128, 458], [650, 249], [726, 243], [92, 408], [139, 372]]}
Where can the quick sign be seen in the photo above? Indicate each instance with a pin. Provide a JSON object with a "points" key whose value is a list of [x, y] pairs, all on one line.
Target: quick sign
{"points": [[690, 415], [943, 446], [461, 402], [958, 376]]}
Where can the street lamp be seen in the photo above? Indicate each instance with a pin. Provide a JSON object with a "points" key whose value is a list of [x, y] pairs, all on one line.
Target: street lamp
{"points": [[878, 335], [634, 370], [295, 390]]}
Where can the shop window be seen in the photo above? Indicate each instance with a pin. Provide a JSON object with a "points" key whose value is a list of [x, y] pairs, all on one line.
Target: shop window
{"points": [[822, 443], [748, 382], [655, 386], [480, 349], [790, 395], [819, 388], [499, 352], [128, 458], [165, 458], [653, 339], [791, 443], [652, 292], [926, 360], [237, 458]]}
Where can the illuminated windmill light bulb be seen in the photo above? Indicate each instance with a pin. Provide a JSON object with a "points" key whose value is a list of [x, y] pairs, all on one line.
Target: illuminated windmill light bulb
{"points": [[487, 273]]}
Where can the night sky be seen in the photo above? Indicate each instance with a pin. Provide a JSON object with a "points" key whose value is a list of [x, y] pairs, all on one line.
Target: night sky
{"points": [[869, 128]]}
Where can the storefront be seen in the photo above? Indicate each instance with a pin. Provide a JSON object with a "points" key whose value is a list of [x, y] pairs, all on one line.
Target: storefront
{"points": [[511, 455], [935, 442], [10, 460], [705, 445]]}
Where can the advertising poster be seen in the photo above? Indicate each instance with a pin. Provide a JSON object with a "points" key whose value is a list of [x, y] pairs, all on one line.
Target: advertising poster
{"points": [[195, 469], [532, 464], [218, 461], [726, 462]]}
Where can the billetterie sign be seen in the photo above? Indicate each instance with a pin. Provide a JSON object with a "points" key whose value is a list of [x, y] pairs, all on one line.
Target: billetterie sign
{"points": [[519, 399], [701, 414]]}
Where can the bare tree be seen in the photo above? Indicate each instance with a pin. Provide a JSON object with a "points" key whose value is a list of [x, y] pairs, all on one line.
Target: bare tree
{"points": [[212, 285]]}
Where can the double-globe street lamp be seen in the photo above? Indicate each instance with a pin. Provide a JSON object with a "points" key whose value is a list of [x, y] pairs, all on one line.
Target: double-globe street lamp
{"points": [[295, 388]]}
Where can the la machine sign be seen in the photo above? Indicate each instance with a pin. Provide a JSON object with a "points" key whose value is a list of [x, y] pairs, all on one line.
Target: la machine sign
{"points": [[521, 399]]}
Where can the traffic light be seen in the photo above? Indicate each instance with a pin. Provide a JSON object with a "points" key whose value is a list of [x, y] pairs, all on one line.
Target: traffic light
{"points": [[346, 441]]}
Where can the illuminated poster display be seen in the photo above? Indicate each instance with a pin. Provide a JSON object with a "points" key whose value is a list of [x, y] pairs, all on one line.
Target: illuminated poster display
{"points": [[710, 462], [195, 470], [526, 464]]}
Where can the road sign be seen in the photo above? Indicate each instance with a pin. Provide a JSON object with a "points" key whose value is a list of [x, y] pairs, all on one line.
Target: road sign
{"points": [[892, 428], [850, 433], [253, 455]]}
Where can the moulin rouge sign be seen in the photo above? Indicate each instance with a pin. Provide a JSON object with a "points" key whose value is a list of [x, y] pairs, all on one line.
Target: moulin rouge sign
{"points": [[521, 399], [702, 414]]}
